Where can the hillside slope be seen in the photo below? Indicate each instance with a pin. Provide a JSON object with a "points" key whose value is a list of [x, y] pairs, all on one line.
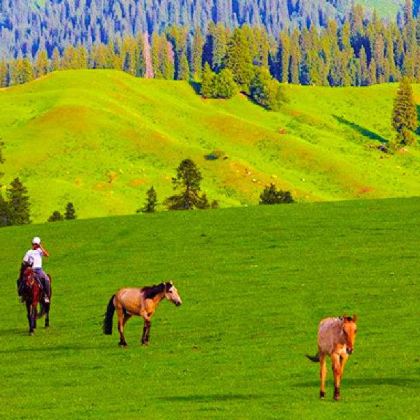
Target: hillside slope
{"points": [[101, 138]]}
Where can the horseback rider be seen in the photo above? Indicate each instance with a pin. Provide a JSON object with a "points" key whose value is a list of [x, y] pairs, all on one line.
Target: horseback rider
{"points": [[34, 258]]}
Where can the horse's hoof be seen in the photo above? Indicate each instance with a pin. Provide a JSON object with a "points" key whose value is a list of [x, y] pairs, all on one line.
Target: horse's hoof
{"points": [[31, 333], [322, 395], [122, 345]]}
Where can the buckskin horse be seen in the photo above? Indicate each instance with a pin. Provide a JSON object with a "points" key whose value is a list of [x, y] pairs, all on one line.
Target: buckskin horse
{"points": [[32, 294], [336, 337], [141, 302]]}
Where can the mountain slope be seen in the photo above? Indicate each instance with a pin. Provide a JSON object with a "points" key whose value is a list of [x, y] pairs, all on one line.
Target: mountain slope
{"points": [[101, 138]]}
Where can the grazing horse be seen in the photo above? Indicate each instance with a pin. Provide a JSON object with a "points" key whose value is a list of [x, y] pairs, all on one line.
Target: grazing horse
{"points": [[336, 337], [138, 301], [32, 295]]}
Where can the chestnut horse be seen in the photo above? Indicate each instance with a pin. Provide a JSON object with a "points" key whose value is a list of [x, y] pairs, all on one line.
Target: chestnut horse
{"points": [[32, 295], [336, 337], [138, 301]]}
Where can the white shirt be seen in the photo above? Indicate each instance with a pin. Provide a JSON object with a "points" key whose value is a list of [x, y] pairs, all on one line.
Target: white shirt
{"points": [[34, 257]]}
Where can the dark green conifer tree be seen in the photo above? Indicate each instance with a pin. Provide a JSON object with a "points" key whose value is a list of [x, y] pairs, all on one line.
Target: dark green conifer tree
{"points": [[404, 114], [18, 202], [70, 213]]}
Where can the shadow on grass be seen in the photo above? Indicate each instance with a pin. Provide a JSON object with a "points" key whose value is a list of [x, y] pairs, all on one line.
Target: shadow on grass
{"points": [[213, 397], [364, 131], [49, 349], [196, 86], [7, 332], [368, 382]]}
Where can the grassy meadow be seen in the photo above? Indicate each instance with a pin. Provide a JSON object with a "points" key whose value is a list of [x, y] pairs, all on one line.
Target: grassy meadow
{"points": [[100, 139], [255, 282]]}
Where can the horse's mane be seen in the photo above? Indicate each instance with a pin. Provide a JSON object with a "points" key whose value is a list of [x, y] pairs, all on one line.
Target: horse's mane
{"points": [[149, 292], [23, 267]]}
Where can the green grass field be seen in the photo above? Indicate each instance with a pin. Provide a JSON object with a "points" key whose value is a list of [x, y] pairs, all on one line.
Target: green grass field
{"points": [[101, 138], [255, 282]]}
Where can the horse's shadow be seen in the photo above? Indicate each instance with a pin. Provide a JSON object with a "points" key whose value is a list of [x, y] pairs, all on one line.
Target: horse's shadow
{"points": [[49, 349], [368, 382], [206, 398], [12, 331]]}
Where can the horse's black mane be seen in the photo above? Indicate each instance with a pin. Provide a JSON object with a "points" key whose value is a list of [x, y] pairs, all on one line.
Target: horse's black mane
{"points": [[150, 292]]}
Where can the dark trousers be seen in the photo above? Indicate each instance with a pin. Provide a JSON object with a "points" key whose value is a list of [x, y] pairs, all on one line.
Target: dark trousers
{"points": [[44, 280]]}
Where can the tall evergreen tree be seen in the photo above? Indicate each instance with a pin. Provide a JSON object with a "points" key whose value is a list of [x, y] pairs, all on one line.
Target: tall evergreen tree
{"points": [[41, 64], [151, 202], [18, 201], [187, 182], [4, 74], [197, 55], [404, 115], [207, 82], [70, 213], [4, 206], [239, 59]]}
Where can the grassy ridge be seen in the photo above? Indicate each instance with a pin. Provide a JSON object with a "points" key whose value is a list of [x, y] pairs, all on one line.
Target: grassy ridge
{"points": [[255, 283], [101, 138]]}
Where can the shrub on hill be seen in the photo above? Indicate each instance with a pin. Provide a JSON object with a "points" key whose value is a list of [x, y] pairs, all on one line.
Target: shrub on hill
{"points": [[266, 91], [221, 85], [56, 217], [271, 195]]}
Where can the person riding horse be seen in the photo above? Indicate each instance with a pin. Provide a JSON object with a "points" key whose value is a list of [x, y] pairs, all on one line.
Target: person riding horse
{"points": [[33, 258]]}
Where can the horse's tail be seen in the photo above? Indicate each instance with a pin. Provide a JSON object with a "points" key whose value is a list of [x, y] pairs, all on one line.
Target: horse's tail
{"points": [[109, 314], [313, 358]]}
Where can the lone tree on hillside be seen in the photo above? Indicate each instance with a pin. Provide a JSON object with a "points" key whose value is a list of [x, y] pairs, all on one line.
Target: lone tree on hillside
{"points": [[18, 203], [151, 202], [271, 195], [187, 182], [404, 115], [70, 213]]}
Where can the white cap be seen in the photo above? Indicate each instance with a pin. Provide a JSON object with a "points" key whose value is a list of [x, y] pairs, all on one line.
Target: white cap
{"points": [[36, 240]]}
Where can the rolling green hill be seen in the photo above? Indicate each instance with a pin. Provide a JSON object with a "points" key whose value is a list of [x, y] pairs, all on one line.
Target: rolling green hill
{"points": [[101, 138], [255, 282]]}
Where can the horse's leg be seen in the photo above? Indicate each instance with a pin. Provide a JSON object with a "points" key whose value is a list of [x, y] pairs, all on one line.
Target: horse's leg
{"points": [[47, 314], [121, 323], [337, 374], [34, 314], [323, 373], [29, 316], [344, 358], [146, 331]]}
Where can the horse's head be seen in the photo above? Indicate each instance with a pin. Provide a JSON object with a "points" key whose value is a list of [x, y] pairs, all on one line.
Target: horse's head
{"points": [[350, 330], [172, 294]]}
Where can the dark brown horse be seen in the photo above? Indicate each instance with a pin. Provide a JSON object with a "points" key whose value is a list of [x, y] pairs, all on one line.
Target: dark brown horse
{"points": [[138, 301], [33, 295], [336, 337]]}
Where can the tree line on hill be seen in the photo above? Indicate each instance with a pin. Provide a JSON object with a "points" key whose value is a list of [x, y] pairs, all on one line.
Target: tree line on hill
{"points": [[359, 52]]}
